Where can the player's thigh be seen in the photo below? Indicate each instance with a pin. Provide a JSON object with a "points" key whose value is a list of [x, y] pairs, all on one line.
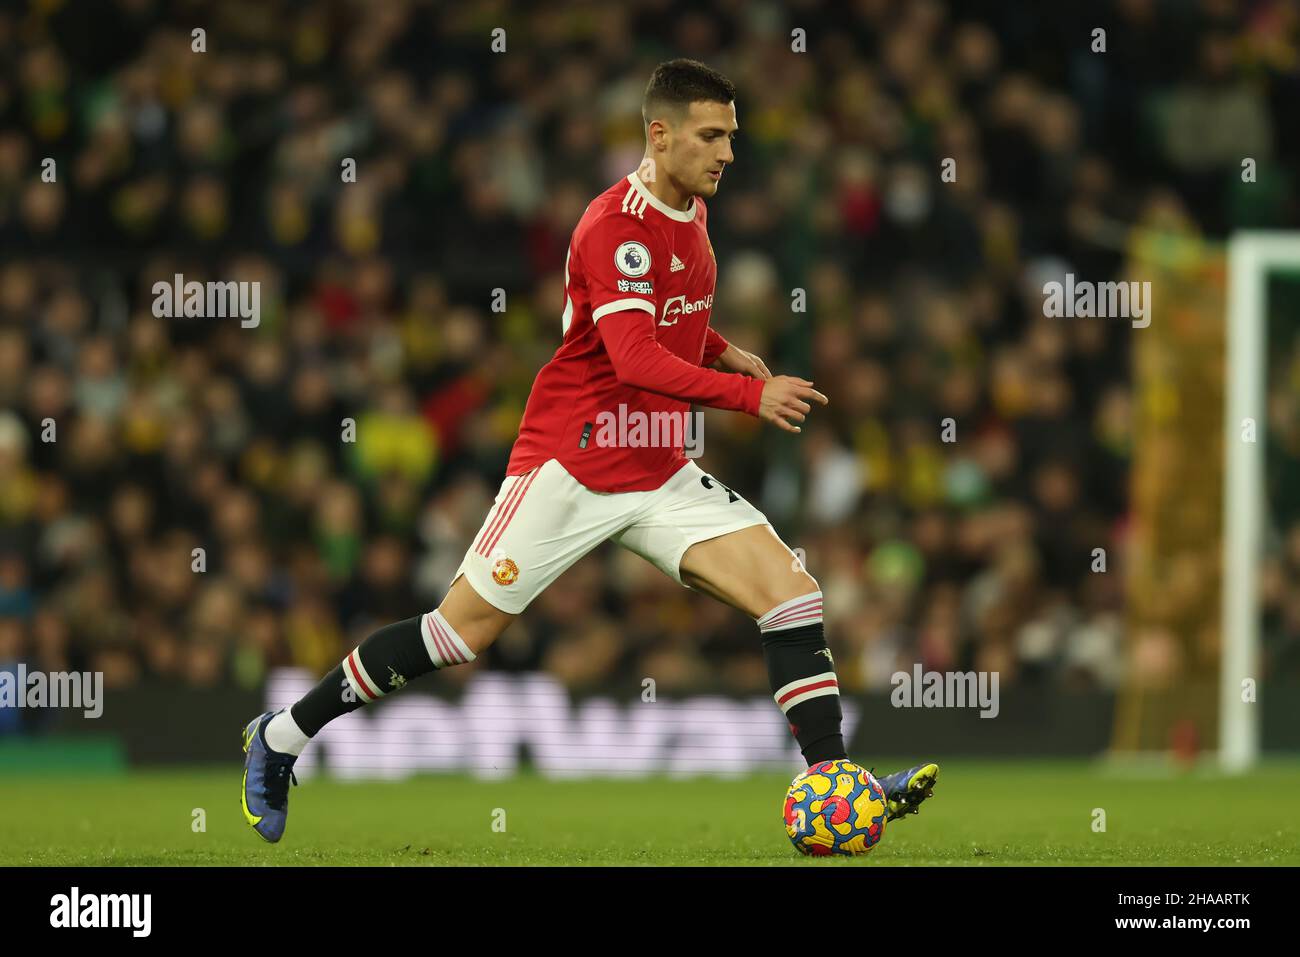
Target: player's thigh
{"points": [[541, 524], [750, 569], [704, 535]]}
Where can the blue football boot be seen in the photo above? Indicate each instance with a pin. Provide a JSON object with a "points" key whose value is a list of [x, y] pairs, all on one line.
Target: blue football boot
{"points": [[267, 773], [905, 790]]}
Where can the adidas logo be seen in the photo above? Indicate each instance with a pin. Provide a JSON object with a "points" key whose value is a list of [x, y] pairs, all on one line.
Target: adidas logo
{"points": [[677, 264]]}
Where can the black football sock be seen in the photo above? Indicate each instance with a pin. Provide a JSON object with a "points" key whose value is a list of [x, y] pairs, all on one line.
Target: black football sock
{"points": [[331, 698], [802, 675], [381, 664]]}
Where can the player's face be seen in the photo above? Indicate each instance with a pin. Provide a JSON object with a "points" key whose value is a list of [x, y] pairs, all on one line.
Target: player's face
{"points": [[704, 148]]}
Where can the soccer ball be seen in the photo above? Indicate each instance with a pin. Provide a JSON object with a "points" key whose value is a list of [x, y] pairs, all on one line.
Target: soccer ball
{"points": [[835, 807]]}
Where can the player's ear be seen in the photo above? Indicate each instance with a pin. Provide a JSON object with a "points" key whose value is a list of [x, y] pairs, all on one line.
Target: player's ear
{"points": [[662, 129]]}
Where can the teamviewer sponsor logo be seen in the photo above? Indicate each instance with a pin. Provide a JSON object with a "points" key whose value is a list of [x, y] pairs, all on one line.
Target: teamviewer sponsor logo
{"points": [[650, 735], [55, 689], [678, 306], [74, 910], [640, 430]]}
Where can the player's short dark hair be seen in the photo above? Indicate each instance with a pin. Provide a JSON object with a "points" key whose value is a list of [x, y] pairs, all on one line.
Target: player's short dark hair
{"points": [[676, 84]]}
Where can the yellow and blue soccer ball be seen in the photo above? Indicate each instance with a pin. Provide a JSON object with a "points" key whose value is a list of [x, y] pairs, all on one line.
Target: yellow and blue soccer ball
{"points": [[835, 807]]}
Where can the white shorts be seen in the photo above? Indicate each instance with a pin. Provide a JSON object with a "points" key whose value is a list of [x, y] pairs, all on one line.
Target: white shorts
{"points": [[544, 521]]}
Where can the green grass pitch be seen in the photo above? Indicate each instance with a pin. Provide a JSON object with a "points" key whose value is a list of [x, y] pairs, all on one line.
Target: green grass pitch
{"points": [[983, 813]]}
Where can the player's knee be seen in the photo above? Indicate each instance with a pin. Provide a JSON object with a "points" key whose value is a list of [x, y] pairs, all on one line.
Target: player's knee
{"points": [[801, 583], [477, 632], [796, 606], [478, 622], [807, 584], [789, 588]]}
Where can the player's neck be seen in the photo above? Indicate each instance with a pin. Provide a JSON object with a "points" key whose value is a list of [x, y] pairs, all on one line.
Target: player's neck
{"points": [[662, 188]]}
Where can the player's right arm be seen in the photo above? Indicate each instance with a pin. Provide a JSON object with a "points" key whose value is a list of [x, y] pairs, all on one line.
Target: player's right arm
{"points": [[621, 263], [640, 361]]}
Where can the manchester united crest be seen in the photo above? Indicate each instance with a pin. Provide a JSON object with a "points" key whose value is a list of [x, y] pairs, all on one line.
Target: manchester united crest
{"points": [[505, 572]]}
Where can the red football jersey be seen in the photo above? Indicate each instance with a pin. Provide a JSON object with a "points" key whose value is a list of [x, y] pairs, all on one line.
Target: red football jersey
{"points": [[647, 271]]}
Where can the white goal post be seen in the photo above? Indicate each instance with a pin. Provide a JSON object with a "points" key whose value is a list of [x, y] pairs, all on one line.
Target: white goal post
{"points": [[1251, 255]]}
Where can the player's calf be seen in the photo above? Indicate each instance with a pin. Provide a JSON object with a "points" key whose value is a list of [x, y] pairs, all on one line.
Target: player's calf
{"points": [[802, 673], [387, 660], [753, 570], [380, 665]]}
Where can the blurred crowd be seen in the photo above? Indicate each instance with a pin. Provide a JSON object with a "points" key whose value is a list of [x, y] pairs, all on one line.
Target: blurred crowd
{"points": [[179, 499]]}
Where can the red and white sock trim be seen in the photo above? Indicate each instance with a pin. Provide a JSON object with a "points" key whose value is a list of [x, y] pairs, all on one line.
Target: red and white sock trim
{"points": [[814, 686], [365, 687], [804, 610], [445, 647]]}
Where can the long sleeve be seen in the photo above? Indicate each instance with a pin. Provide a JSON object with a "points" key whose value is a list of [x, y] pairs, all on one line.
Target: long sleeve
{"points": [[640, 361], [714, 346]]}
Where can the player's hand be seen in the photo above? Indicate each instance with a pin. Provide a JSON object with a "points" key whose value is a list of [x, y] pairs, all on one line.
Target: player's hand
{"points": [[746, 363], [785, 401]]}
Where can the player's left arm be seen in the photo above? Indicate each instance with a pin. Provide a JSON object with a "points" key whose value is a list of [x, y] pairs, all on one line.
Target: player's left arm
{"points": [[722, 355]]}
